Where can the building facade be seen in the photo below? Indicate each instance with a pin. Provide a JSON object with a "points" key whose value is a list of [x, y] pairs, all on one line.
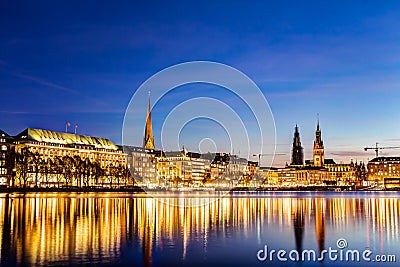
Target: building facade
{"points": [[7, 159], [384, 170], [47, 147], [142, 163]]}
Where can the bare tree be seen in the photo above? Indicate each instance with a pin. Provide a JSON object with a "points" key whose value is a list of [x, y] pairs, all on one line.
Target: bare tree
{"points": [[58, 169], [36, 165], [22, 165], [68, 170]]}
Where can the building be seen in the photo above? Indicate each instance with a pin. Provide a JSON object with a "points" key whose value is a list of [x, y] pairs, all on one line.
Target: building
{"points": [[142, 164], [297, 150], [383, 170], [46, 147], [318, 171], [318, 151], [200, 168], [235, 170], [182, 168], [6, 159], [345, 173], [296, 176]]}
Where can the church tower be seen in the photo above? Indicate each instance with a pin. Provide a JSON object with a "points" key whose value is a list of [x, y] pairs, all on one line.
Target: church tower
{"points": [[318, 151], [148, 140], [297, 150]]}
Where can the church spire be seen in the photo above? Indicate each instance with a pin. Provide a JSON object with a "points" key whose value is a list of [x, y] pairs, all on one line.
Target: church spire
{"points": [[148, 141], [297, 151]]}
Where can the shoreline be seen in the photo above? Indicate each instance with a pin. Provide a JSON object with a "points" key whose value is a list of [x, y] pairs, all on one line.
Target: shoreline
{"points": [[138, 189]]}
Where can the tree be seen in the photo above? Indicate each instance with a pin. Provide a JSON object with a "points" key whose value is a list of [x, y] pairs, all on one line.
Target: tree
{"points": [[78, 169], [87, 170], [22, 165], [58, 169], [68, 170], [47, 169], [36, 165], [98, 172]]}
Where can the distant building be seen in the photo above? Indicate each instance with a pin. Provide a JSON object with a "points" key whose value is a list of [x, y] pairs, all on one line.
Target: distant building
{"points": [[295, 176], [297, 150], [6, 159], [318, 171], [236, 169], [345, 173], [318, 151], [383, 168]]}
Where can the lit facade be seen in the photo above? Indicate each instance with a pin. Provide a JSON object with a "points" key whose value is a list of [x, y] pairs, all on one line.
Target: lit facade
{"points": [[48, 145], [383, 168], [6, 159], [142, 164], [345, 173], [181, 168]]}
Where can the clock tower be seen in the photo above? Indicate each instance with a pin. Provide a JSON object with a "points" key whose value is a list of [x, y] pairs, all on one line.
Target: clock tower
{"points": [[318, 151]]}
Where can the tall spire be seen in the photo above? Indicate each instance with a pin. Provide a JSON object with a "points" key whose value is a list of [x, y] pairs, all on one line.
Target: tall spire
{"points": [[148, 141], [318, 152], [297, 151]]}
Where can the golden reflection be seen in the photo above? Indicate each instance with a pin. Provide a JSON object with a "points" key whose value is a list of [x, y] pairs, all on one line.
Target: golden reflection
{"points": [[60, 229]]}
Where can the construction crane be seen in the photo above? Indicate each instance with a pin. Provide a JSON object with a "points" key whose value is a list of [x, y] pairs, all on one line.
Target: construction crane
{"points": [[269, 154], [376, 148]]}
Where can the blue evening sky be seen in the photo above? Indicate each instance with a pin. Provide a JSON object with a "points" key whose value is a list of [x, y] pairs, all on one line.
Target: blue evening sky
{"points": [[81, 61]]}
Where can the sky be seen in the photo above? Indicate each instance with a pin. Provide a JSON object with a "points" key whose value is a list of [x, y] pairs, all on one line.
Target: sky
{"points": [[82, 61]]}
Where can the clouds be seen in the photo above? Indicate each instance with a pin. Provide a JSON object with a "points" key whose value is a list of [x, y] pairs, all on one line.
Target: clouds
{"points": [[337, 59], [46, 83]]}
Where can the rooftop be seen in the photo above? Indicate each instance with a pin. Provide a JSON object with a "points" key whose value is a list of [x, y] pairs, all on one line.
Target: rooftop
{"points": [[65, 138]]}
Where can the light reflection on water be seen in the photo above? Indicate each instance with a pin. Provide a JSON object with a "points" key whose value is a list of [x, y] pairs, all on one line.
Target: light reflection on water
{"points": [[136, 230]]}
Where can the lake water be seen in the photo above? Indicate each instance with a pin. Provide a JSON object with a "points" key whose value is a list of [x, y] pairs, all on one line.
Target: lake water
{"points": [[196, 229]]}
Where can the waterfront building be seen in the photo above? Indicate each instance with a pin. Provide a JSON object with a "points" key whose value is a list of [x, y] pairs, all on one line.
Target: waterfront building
{"points": [[269, 175], [295, 176], [318, 171], [200, 168], [142, 164], [235, 169], [182, 168], [250, 178], [6, 159], [47, 146], [175, 167], [219, 165], [384, 171], [345, 173], [297, 150]]}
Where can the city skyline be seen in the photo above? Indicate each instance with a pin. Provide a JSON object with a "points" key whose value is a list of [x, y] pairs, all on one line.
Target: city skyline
{"points": [[83, 63]]}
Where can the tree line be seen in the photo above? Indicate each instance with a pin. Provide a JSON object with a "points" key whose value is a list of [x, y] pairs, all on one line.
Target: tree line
{"points": [[66, 171]]}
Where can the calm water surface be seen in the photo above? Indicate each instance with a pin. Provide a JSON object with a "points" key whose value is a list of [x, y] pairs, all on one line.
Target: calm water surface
{"points": [[137, 230]]}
